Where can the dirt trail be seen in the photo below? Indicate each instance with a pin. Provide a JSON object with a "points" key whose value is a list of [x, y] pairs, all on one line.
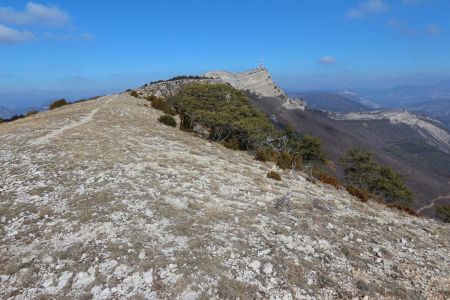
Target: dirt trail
{"points": [[85, 119], [433, 203]]}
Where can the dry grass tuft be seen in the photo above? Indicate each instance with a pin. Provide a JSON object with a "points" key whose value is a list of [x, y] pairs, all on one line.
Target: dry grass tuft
{"points": [[274, 175]]}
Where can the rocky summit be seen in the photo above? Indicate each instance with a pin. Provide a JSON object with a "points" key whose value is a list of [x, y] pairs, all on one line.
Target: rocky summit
{"points": [[257, 81], [100, 200]]}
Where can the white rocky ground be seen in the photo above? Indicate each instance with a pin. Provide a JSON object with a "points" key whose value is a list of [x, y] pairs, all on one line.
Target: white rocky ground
{"points": [[100, 200], [435, 135]]}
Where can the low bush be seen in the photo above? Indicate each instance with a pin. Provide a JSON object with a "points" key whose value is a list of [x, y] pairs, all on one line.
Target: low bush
{"points": [[287, 161], [168, 120], [325, 178], [402, 207], [443, 213], [232, 143], [361, 194], [186, 123], [151, 98], [164, 106], [58, 103], [134, 94], [283, 160], [265, 154], [274, 175], [30, 113]]}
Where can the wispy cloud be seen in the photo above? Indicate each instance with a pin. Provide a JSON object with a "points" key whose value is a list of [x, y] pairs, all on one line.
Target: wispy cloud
{"points": [[13, 36], [402, 27], [35, 13], [327, 61], [367, 7]]}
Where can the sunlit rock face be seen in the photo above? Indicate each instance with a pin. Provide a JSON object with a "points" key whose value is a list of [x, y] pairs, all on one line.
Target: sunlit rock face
{"points": [[257, 81]]}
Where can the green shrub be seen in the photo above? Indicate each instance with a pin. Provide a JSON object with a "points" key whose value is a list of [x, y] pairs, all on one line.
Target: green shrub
{"points": [[312, 151], [58, 103], [164, 106], [168, 120], [186, 123], [274, 175], [443, 213], [363, 172], [227, 112], [134, 94]]}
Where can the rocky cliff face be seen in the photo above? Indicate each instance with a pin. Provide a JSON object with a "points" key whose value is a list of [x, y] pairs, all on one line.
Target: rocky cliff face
{"points": [[257, 81], [100, 200], [429, 129]]}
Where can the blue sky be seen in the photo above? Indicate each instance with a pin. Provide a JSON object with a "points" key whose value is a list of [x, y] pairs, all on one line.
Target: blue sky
{"points": [[69, 48]]}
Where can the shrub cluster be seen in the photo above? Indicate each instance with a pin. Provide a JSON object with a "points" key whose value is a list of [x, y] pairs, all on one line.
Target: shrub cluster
{"points": [[168, 120], [58, 103], [363, 172], [274, 175], [228, 113], [161, 104]]}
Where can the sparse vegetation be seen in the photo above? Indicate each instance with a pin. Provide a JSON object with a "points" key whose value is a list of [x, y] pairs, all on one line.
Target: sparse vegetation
{"points": [[363, 172], [168, 120], [274, 175], [58, 103]]}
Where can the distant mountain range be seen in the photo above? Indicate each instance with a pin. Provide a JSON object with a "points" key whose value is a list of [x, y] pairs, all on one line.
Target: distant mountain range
{"points": [[342, 102], [405, 95]]}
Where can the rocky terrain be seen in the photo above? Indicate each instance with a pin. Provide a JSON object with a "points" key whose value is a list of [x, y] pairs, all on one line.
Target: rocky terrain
{"points": [[100, 200]]}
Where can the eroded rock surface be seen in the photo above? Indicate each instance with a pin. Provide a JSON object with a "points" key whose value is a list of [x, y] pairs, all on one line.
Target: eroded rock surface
{"points": [[100, 200]]}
